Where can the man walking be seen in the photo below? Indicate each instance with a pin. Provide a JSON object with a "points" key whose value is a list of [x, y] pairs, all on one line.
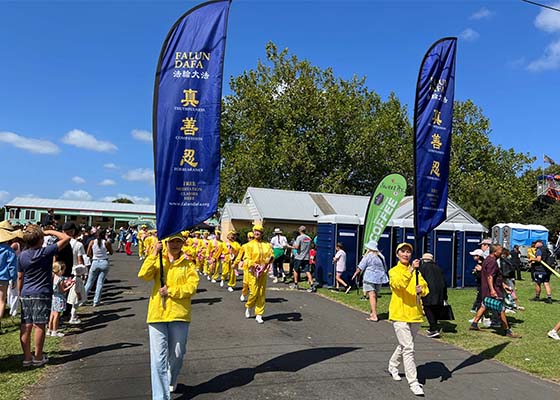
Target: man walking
{"points": [[541, 274], [303, 246], [279, 244]]}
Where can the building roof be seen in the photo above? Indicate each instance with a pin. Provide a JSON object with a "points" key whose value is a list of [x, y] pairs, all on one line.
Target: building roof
{"points": [[288, 205], [80, 205]]}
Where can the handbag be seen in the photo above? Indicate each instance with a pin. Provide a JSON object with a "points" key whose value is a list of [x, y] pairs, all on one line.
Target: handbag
{"points": [[445, 312]]}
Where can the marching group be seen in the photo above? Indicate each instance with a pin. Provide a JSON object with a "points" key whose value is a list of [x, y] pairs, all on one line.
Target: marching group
{"points": [[55, 270]]}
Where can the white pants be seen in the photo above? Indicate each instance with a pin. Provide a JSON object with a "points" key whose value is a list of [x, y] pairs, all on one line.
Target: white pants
{"points": [[405, 331]]}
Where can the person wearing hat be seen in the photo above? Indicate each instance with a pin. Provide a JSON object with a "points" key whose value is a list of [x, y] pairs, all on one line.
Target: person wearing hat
{"points": [[485, 246], [478, 255], [142, 234], [279, 244], [169, 311], [433, 301], [231, 249], [405, 311], [301, 263], [258, 256], [374, 268], [8, 266], [239, 263], [216, 254]]}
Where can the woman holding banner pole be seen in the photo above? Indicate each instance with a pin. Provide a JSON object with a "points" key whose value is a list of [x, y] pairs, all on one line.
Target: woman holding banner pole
{"points": [[169, 311], [405, 311]]}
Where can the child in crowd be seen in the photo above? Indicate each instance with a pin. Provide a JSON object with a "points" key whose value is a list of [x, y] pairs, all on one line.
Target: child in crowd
{"points": [[77, 293], [60, 287], [339, 260]]}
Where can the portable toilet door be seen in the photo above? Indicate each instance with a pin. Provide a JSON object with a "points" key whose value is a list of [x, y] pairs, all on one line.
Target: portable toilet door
{"points": [[469, 241], [330, 230], [385, 246], [444, 255]]}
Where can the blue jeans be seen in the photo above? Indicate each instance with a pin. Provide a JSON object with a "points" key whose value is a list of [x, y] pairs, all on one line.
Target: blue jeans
{"points": [[98, 272], [168, 345]]}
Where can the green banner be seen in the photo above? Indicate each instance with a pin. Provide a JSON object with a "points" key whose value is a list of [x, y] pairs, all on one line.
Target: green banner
{"points": [[382, 205]]}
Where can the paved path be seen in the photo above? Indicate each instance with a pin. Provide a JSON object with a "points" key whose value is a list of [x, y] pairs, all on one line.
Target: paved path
{"points": [[309, 347]]}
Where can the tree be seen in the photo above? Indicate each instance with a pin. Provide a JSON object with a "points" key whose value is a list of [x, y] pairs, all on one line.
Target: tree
{"points": [[291, 125], [489, 182], [123, 200]]}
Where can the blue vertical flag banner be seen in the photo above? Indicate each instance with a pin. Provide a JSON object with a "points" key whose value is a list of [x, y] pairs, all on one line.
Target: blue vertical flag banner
{"points": [[433, 119], [186, 118]]}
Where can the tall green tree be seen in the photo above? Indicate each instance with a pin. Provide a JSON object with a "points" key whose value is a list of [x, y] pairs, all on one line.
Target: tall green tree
{"points": [[291, 125]]}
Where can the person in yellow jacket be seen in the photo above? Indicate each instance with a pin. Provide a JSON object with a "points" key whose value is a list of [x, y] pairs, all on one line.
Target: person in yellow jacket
{"points": [[196, 241], [239, 263], [405, 310], [202, 254], [230, 251], [142, 234], [169, 312], [258, 257], [215, 255]]}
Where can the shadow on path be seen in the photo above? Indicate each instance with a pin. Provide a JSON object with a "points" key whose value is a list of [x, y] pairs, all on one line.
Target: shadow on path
{"points": [[285, 317], [290, 362], [210, 301], [438, 370], [67, 355]]}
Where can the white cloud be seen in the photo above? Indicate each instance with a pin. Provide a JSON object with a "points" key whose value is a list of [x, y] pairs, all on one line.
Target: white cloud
{"points": [[141, 135], [111, 166], [29, 196], [76, 195], [107, 182], [549, 60], [139, 175], [483, 13], [32, 145], [470, 35], [4, 196], [135, 199], [78, 180], [548, 20], [84, 140]]}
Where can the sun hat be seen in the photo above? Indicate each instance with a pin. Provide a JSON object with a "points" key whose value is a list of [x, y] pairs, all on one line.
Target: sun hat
{"points": [[6, 225], [477, 252], [405, 244], [486, 241], [428, 256], [372, 245], [6, 236], [277, 230]]}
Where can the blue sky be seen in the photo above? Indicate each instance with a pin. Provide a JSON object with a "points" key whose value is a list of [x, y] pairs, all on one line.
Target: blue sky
{"points": [[80, 73]]}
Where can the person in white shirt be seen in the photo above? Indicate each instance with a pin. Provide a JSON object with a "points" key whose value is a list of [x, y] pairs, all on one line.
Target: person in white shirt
{"points": [[279, 244], [339, 260]]}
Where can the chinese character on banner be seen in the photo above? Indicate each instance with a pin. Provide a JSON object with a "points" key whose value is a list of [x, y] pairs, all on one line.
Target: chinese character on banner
{"points": [[435, 169], [205, 75], [188, 158], [436, 141], [186, 74], [437, 117], [176, 74], [189, 126], [195, 74], [190, 98]]}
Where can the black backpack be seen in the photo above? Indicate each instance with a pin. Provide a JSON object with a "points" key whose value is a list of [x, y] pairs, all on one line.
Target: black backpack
{"points": [[548, 257]]}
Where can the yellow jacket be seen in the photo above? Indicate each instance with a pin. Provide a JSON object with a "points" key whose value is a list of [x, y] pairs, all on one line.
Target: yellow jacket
{"points": [[181, 279], [231, 249], [214, 249], [257, 253], [404, 306], [240, 257]]}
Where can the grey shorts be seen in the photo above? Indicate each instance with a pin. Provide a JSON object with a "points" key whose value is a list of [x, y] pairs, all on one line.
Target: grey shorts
{"points": [[371, 287], [35, 310], [302, 266]]}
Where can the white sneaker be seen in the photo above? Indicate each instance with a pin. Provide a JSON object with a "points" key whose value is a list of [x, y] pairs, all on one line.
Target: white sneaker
{"points": [[248, 312], [230, 289], [57, 334], [221, 283], [75, 321], [416, 388], [242, 298], [208, 277], [553, 335], [172, 388], [259, 319], [486, 322], [275, 280], [394, 374], [509, 311]]}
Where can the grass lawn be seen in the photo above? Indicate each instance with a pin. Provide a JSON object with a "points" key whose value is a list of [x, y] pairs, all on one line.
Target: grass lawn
{"points": [[13, 377], [534, 352]]}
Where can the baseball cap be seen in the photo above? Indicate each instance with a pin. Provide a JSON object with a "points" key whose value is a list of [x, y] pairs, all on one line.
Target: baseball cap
{"points": [[302, 228], [69, 226], [400, 246], [477, 252], [176, 236], [258, 227]]}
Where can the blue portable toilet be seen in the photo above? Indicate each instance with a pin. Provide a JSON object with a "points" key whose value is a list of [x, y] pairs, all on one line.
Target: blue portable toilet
{"points": [[443, 249], [330, 230], [466, 242]]}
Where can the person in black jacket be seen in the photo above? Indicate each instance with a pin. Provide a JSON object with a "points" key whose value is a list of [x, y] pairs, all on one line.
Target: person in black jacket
{"points": [[516, 261], [434, 301]]}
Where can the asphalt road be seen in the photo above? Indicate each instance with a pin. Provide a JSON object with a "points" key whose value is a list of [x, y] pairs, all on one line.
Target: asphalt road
{"points": [[309, 347]]}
